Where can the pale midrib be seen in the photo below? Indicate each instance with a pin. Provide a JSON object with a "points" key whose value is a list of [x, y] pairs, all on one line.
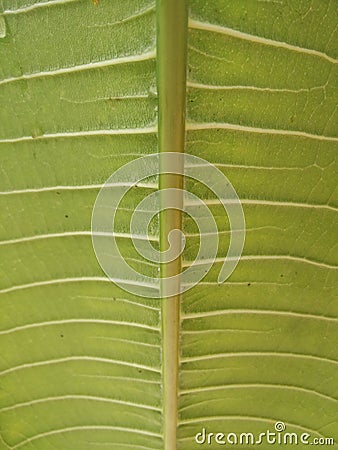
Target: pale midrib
{"points": [[172, 26]]}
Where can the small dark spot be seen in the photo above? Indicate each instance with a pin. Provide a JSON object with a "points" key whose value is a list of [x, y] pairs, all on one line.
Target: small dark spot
{"points": [[296, 273], [57, 192], [249, 284], [281, 275], [66, 216], [139, 371], [36, 132], [61, 335]]}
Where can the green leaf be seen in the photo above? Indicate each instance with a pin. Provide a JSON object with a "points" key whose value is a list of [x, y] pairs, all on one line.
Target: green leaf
{"points": [[86, 365]]}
